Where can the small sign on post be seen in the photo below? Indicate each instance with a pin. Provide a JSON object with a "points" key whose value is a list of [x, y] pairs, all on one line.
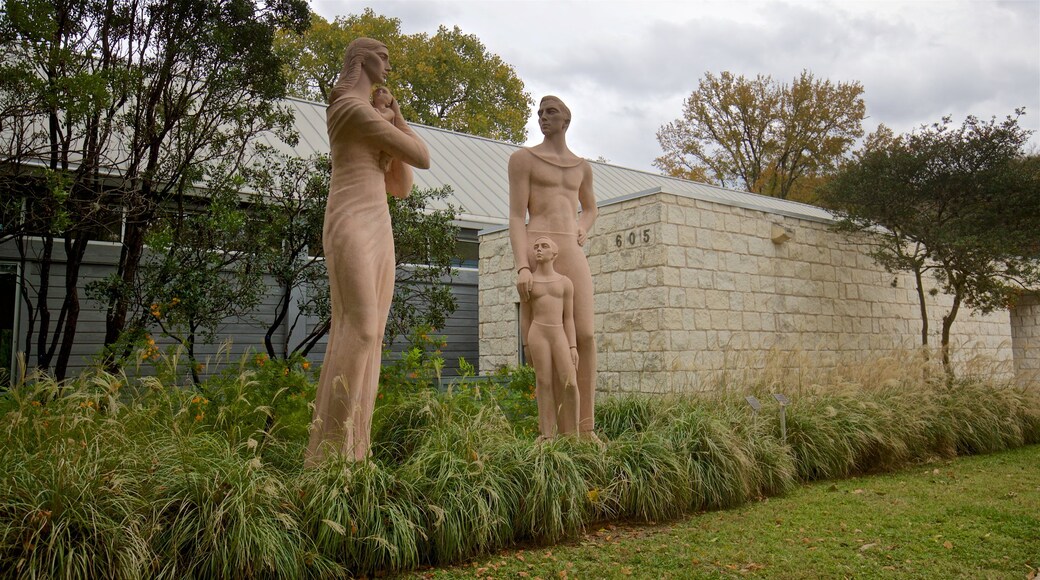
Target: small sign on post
{"points": [[783, 416], [756, 405]]}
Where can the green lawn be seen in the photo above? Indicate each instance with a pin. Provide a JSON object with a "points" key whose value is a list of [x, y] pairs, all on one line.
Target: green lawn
{"points": [[972, 517]]}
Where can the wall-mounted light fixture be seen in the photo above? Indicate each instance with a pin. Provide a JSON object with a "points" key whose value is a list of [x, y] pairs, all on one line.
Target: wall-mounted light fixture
{"points": [[780, 234]]}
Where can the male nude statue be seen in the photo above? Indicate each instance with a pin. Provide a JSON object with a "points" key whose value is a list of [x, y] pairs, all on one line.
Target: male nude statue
{"points": [[551, 344], [548, 184]]}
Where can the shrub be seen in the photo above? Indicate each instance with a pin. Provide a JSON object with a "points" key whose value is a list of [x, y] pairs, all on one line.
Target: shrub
{"points": [[106, 476]]}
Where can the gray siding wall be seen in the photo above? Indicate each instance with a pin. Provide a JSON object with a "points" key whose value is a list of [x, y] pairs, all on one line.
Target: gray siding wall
{"points": [[461, 328], [236, 337]]}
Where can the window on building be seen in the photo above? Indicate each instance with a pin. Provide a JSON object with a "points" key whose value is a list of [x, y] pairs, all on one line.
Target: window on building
{"points": [[467, 249]]}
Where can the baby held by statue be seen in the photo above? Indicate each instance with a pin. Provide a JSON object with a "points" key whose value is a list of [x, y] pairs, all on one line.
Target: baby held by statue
{"points": [[382, 102], [551, 344]]}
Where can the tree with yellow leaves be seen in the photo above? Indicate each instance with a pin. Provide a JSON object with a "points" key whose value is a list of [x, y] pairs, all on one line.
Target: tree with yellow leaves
{"points": [[763, 136]]}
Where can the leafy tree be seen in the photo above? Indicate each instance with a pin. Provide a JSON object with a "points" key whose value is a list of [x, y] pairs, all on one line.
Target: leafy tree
{"points": [[314, 58], [126, 104], [766, 137], [453, 83], [448, 80], [292, 216], [201, 270], [960, 202], [424, 248]]}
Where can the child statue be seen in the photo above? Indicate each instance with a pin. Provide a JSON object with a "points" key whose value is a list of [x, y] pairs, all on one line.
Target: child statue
{"points": [[550, 341], [383, 102]]}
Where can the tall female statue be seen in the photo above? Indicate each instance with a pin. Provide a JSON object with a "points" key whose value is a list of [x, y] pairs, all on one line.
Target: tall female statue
{"points": [[359, 249]]}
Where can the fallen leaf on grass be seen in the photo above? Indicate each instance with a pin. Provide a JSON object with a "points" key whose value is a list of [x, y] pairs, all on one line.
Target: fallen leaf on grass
{"points": [[523, 574], [752, 566], [866, 547], [948, 545], [857, 491], [626, 571]]}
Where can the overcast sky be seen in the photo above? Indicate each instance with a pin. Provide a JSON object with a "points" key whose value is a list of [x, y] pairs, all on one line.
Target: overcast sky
{"points": [[624, 68]]}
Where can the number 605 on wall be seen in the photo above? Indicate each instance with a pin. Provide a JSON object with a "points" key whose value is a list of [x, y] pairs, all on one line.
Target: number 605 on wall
{"points": [[633, 238]]}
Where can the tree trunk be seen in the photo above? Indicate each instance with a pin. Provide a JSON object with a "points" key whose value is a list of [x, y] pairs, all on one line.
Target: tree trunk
{"points": [[195, 380], [23, 288], [947, 324], [312, 339], [922, 302], [281, 310], [129, 262], [43, 311], [74, 252]]}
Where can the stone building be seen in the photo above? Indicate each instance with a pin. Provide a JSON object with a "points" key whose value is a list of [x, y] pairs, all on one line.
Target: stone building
{"points": [[693, 283], [691, 280]]}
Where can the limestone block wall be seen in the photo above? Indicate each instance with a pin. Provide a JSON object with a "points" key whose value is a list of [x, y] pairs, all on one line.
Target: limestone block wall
{"points": [[1025, 339], [687, 290]]}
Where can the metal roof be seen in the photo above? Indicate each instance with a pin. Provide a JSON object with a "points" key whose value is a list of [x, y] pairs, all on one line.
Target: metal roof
{"points": [[476, 170]]}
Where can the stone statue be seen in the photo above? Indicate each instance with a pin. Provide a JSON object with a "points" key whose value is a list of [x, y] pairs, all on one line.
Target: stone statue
{"points": [[359, 248], [383, 102], [548, 185], [550, 341]]}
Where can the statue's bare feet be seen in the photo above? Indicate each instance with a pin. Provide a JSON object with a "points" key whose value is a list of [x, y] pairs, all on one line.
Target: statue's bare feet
{"points": [[591, 436]]}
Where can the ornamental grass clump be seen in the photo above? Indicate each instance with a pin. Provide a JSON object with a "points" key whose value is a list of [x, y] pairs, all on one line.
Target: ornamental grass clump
{"points": [[821, 449], [114, 477], [553, 480], [69, 504], [720, 469], [467, 499], [773, 468], [983, 419], [216, 511], [649, 481], [620, 415], [357, 518]]}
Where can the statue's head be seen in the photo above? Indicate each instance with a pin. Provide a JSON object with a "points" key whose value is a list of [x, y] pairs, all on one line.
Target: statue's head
{"points": [[545, 250], [359, 52], [382, 98], [550, 110]]}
